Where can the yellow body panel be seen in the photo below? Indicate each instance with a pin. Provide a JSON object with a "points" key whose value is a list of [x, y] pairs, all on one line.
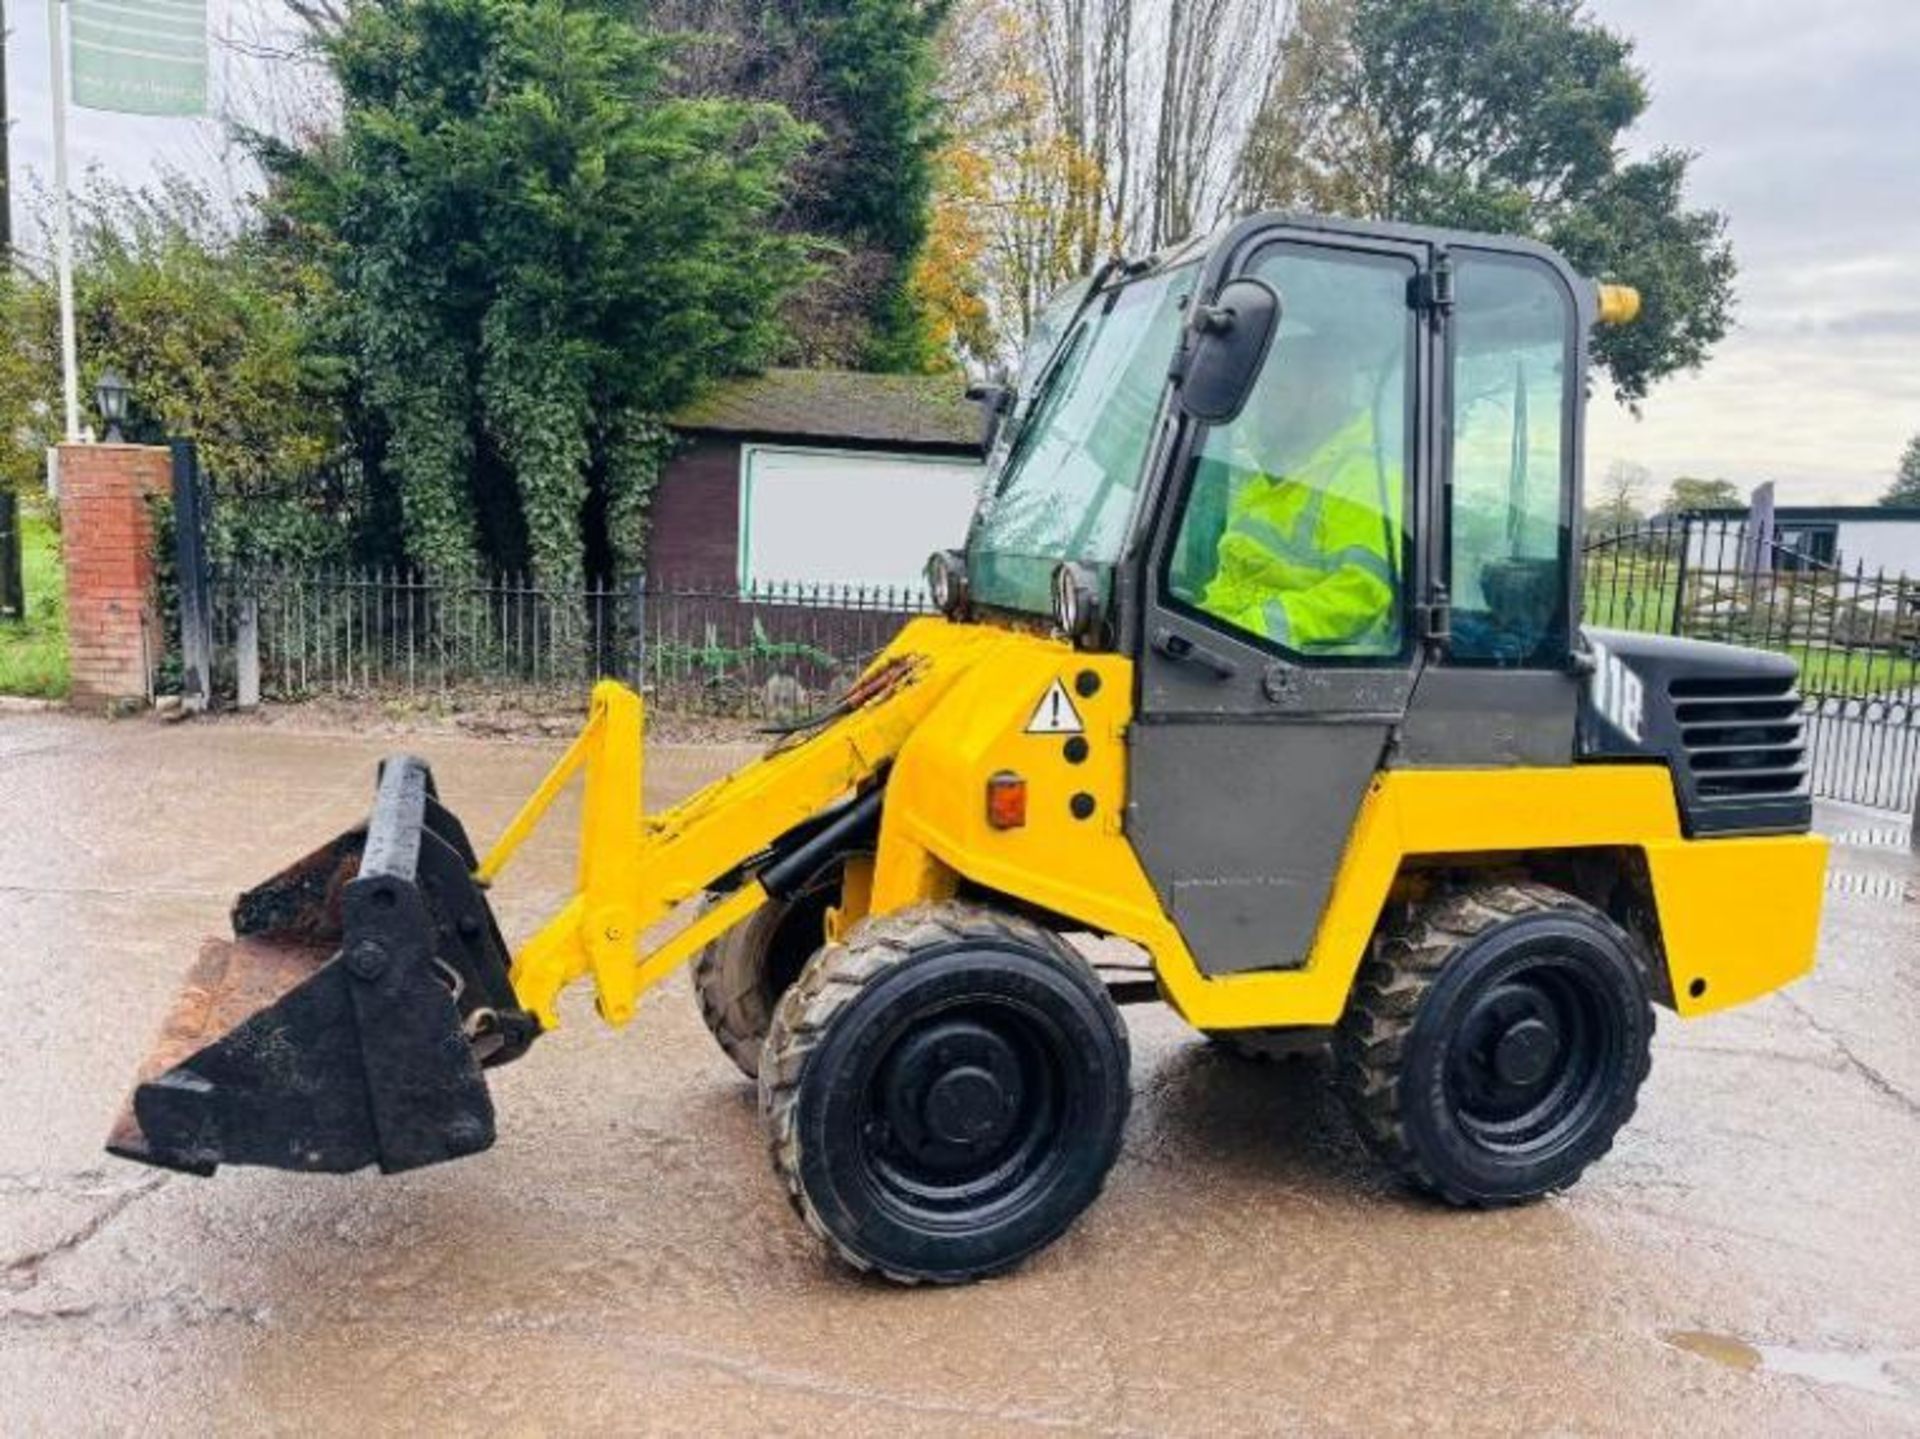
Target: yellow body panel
{"points": [[1085, 869], [951, 705], [1739, 917]]}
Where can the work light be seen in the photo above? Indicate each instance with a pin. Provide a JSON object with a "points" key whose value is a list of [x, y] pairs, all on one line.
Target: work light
{"points": [[947, 580], [1076, 601]]}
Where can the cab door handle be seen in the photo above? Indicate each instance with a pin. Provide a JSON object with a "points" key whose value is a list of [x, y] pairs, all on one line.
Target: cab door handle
{"points": [[1176, 646]]}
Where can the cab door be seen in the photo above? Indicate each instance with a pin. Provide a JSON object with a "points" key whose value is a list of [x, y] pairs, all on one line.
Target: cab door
{"points": [[1278, 640], [1504, 690]]}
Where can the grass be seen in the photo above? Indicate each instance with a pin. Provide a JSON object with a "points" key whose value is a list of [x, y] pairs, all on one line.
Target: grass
{"points": [[1855, 672], [33, 651], [1631, 594]]}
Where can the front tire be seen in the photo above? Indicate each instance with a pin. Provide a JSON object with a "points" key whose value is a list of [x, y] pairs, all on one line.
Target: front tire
{"points": [[1495, 1042], [944, 1092]]}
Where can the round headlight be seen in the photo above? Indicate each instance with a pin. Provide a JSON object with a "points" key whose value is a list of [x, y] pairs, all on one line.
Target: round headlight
{"points": [[1076, 601], [1065, 606], [947, 582]]}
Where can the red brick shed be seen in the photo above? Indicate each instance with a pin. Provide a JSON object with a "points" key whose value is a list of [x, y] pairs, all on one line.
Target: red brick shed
{"points": [[816, 477]]}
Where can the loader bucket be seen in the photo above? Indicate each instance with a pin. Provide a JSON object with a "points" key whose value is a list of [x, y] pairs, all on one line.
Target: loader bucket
{"points": [[347, 1020]]}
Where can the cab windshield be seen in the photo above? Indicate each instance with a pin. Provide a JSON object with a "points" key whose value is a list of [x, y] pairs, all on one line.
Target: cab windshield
{"points": [[1065, 482]]}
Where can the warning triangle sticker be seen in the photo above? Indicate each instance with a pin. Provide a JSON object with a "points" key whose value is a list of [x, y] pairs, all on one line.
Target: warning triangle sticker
{"points": [[1055, 713]]}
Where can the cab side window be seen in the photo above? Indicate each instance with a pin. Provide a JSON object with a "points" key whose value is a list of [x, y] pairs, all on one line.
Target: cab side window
{"points": [[1509, 531], [1293, 533]]}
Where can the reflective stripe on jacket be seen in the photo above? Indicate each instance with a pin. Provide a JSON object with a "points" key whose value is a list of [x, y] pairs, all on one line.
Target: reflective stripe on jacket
{"points": [[1304, 560]]}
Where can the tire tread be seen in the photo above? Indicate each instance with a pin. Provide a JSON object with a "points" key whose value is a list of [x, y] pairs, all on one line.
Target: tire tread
{"points": [[832, 980], [1370, 1043]]}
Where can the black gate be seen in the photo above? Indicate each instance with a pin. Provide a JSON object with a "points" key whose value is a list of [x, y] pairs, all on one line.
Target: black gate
{"points": [[1855, 633], [13, 585]]}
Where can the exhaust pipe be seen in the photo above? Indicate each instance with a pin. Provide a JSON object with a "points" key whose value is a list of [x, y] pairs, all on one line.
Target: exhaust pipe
{"points": [[347, 1021]]}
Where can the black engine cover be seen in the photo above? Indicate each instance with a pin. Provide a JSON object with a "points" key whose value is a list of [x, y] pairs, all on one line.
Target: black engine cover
{"points": [[1727, 720]]}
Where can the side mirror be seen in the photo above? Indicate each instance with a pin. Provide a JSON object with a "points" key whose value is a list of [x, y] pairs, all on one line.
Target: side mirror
{"points": [[995, 399], [1227, 343]]}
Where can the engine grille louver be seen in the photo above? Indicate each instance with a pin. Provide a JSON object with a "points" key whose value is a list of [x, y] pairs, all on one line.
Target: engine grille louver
{"points": [[1744, 738]]}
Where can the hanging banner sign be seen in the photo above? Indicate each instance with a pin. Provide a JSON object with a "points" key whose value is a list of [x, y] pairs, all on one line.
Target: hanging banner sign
{"points": [[140, 57]]}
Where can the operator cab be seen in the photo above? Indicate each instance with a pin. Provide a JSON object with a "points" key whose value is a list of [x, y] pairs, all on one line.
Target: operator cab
{"points": [[1442, 369]]}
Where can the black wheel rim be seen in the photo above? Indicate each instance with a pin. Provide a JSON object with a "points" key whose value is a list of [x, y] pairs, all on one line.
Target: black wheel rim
{"points": [[1536, 1052], [964, 1113]]}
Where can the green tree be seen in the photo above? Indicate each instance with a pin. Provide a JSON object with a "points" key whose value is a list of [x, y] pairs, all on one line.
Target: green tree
{"points": [[541, 248], [1615, 502], [862, 73], [1905, 489], [22, 385], [1687, 495], [211, 326], [1500, 115]]}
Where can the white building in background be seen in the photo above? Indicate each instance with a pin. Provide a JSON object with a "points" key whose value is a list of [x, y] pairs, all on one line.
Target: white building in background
{"points": [[817, 478], [1853, 538]]}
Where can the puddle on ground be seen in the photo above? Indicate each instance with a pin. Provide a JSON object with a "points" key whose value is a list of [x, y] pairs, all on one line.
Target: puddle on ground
{"points": [[1843, 1367]]}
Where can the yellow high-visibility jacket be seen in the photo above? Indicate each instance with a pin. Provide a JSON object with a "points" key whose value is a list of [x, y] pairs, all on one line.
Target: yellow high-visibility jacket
{"points": [[1308, 559]]}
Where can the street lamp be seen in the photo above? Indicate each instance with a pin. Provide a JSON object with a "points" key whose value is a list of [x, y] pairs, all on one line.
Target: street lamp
{"points": [[110, 395]]}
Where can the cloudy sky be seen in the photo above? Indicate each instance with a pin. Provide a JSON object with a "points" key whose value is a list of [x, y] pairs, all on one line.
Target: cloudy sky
{"points": [[1807, 121]]}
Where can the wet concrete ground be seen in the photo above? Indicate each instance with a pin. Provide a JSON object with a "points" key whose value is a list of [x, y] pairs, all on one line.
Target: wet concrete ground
{"points": [[1747, 1259]]}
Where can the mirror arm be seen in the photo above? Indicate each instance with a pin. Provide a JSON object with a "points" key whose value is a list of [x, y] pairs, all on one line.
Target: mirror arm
{"points": [[1215, 319]]}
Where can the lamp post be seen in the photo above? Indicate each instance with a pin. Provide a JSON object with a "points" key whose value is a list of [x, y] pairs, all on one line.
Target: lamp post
{"points": [[110, 396]]}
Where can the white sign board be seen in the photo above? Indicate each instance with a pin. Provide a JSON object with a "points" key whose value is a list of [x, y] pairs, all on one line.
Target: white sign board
{"points": [[839, 517]]}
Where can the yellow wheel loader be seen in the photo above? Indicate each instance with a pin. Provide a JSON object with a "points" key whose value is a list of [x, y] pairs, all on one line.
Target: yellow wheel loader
{"points": [[1263, 658]]}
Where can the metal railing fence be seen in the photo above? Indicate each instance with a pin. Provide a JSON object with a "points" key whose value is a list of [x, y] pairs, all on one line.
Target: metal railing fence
{"points": [[770, 651], [1854, 630], [776, 651]]}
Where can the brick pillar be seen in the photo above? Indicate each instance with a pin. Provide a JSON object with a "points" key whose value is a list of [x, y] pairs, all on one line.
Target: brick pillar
{"points": [[106, 535]]}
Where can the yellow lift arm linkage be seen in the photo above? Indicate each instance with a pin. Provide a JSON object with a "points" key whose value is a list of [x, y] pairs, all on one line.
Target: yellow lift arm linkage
{"points": [[636, 868], [596, 931]]}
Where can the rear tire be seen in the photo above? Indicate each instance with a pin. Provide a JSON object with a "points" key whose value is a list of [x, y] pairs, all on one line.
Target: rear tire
{"points": [[1495, 1042], [740, 977], [944, 1092]]}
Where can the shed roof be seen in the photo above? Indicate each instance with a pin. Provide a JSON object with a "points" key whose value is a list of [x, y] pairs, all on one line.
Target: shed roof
{"points": [[914, 410]]}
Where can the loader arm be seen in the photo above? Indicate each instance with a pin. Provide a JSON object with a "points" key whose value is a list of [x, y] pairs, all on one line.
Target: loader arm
{"points": [[635, 869]]}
